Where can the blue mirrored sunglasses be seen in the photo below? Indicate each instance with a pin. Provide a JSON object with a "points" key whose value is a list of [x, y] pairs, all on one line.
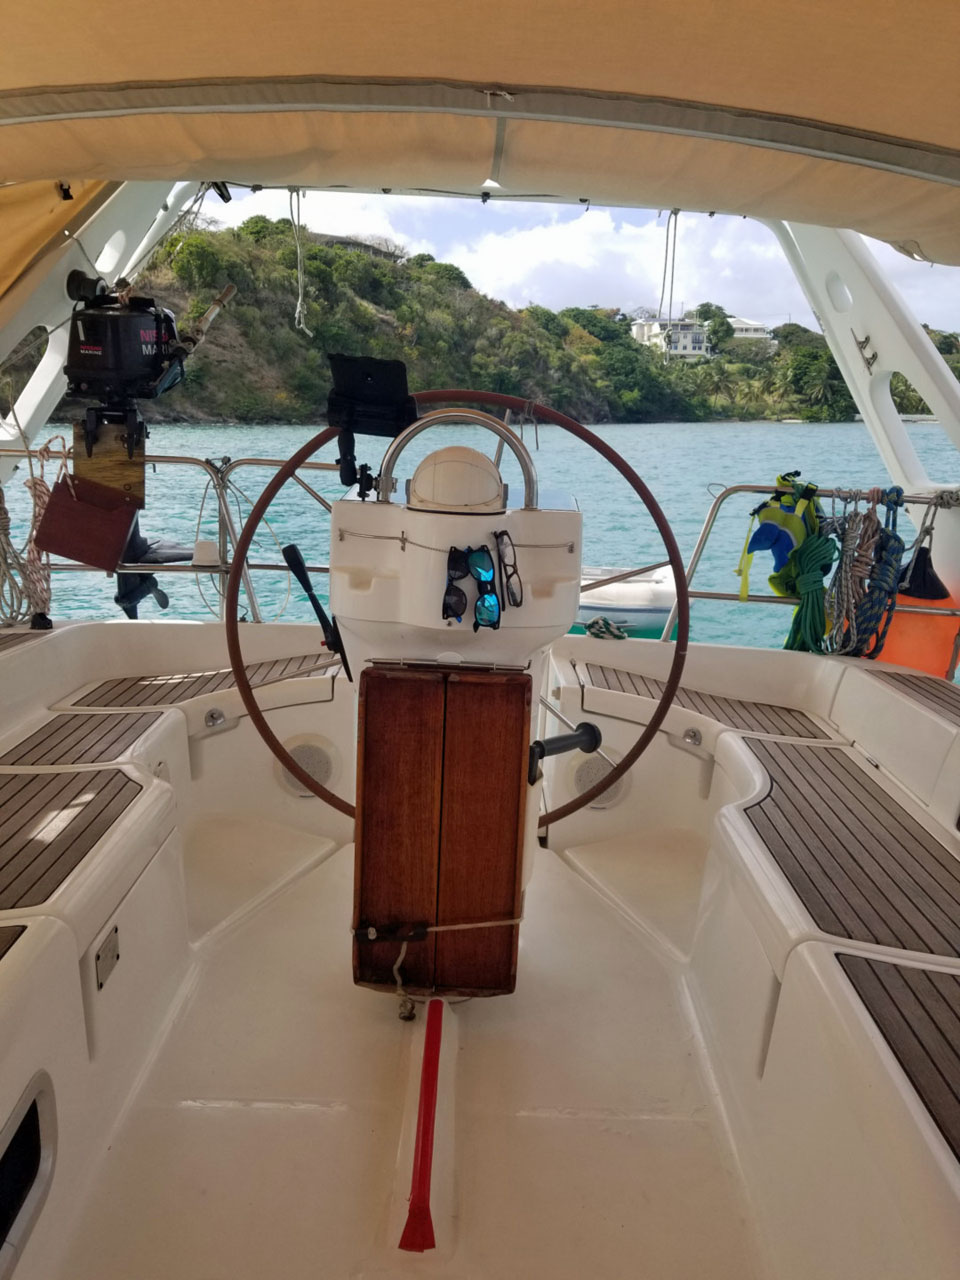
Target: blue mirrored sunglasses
{"points": [[478, 564]]}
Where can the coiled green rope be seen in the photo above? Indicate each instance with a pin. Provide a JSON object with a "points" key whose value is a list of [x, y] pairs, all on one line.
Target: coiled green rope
{"points": [[812, 561]]}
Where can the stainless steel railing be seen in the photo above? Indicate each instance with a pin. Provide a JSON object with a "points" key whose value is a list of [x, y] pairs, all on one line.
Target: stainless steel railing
{"points": [[707, 529], [218, 476]]}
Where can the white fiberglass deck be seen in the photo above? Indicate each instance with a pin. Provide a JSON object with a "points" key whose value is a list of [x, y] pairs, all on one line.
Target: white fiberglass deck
{"points": [[264, 1140]]}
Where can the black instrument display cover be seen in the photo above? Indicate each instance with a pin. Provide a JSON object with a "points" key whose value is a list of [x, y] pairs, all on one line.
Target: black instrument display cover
{"points": [[370, 396]]}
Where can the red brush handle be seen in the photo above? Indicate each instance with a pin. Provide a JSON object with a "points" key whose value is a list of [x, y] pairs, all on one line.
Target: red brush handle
{"points": [[418, 1233]]}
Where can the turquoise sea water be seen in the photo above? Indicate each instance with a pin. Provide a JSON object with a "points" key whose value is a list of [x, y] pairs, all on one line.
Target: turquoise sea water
{"points": [[682, 463]]}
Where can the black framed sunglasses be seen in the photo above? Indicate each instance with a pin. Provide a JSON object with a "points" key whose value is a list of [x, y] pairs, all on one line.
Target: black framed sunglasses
{"points": [[511, 586], [477, 564]]}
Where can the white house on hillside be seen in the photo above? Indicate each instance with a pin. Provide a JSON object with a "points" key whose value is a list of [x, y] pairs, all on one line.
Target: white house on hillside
{"points": [[687, 339], [750, 329]]}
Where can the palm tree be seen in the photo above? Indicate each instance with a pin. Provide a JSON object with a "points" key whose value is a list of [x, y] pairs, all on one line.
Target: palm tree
{"points": [[721, 381], [747, 395], [701, 379], [782, 387], [905, 395], [820, 384], [767, 382]]}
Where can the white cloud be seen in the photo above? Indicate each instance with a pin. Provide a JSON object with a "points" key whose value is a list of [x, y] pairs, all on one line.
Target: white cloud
{"points": [[931, 292], [605, 257], [334, 213], [560, 256]]}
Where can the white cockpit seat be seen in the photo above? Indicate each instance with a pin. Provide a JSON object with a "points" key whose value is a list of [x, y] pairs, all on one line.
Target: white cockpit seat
{"points": [[824, 849], [74, 842], [857, 1116]]}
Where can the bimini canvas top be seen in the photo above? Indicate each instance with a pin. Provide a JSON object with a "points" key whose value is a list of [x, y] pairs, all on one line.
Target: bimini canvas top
{"points": [[838, 112]]}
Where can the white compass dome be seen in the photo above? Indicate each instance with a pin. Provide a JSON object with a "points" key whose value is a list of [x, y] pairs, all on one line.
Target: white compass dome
{"points": [[457, 479]]}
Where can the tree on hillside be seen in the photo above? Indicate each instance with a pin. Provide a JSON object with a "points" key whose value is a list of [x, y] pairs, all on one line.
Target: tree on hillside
{"points": [[816, 380], [260, 229], [905, 395], [548, 320], [607, 325], [948, 344], [448, 273], [797, 335], [820, 383], [699, 378], [782, 387], [717, 324], [720, 382], [750, 350]]}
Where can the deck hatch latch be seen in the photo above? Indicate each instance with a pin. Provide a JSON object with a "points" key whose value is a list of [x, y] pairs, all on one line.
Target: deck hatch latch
{"points": [[107, 956], [391, 932]]}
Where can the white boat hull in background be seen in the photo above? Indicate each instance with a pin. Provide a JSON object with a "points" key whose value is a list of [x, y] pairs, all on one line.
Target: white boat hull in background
{"points": [[639, 606]]}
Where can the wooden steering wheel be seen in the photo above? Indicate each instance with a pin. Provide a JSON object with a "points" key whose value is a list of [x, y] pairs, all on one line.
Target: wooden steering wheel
{"points": [[504, 402]]}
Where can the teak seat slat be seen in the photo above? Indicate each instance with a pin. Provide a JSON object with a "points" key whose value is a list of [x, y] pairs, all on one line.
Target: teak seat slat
{"points": [[11, 639], [930, 691], [80, 738], [8, 936], [863, 867], [736, 713], [918, 1014], [48, 825], [161, 691]]}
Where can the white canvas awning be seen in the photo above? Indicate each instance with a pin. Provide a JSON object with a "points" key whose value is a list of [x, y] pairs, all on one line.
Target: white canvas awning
{"points": [[842, 114]]}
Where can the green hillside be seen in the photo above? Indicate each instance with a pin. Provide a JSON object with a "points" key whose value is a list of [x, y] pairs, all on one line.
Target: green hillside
{"points": [[257, 366], [369, 299]]}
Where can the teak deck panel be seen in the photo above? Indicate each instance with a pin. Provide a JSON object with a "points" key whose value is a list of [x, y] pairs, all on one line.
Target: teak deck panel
{"points": [[862, 866], [10, 639], [81, 738], [930, 691], [441, 790], [162, 691], [752, 717], [8, 936], [49, 823], [485, 754], [918, 1014], [399, 780]]}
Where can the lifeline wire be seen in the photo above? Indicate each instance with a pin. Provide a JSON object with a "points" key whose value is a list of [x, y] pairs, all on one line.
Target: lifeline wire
{"points": [[233, 488], [669, 258], [298, 319]]}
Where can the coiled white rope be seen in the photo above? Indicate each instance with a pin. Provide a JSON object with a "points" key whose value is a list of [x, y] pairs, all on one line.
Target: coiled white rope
{"points": [[14, 606], [298, 319], [37, 581], [25, 575], [669, 260], [857, 532]]}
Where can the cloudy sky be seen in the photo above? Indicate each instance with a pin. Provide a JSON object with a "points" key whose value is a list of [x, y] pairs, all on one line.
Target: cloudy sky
{"points": [[561, 256]]}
